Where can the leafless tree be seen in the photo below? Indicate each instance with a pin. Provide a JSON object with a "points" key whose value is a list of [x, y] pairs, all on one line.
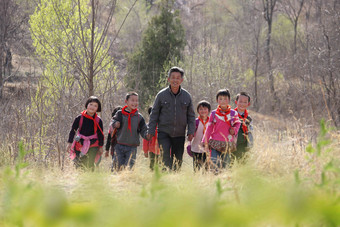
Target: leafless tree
{"points": [[12, 21], [268, 13]]}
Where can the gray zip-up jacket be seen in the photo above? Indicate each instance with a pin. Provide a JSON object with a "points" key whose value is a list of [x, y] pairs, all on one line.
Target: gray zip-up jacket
{"points": [[172, 113], [138, 126]]}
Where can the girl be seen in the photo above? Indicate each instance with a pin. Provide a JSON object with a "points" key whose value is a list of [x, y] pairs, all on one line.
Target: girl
{"points": [[198, 154], [222, 130], [86, 147]]}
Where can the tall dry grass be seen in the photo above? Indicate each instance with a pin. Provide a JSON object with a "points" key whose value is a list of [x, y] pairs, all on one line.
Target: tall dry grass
{"points": [[281, 184]]}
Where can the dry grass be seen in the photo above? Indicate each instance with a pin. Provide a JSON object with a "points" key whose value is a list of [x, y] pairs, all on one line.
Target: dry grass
{"points": [[265, 191], [276, 154]]}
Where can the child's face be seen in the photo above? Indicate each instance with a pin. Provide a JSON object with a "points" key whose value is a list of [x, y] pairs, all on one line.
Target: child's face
{"points": [[223, 101], [203, 112], [92, 108], [175, 79], [242, 103], [132, 102]]}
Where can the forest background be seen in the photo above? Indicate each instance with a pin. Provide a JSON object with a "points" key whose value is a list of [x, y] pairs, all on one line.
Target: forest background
{"points": [[54, 54]]}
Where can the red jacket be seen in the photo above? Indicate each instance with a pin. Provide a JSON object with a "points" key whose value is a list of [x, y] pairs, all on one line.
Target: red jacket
{"points": [[151, 145]]}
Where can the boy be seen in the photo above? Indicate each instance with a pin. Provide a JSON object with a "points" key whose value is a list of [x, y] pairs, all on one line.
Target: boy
{"points": [[130, 125], [172, 113], [244, 137]]}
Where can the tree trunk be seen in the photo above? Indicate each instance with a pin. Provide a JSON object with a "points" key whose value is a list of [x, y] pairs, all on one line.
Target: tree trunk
{"points": [[256, 81], [269, 6], [1, 78], [270, 70], [295, 34], [92, 57]]}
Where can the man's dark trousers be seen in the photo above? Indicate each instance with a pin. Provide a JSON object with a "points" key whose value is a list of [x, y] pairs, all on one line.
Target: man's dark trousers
{"points": [[172, 149]]}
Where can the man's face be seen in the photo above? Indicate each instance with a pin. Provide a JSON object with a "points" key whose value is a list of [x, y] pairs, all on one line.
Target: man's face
{"points": [[175, 79]]}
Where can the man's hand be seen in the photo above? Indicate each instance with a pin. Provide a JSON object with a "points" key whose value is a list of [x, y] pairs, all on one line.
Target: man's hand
{"points": [[232, 131], [146, 154], [117, 124], [106, 153], [190, 137], [148, 136]]}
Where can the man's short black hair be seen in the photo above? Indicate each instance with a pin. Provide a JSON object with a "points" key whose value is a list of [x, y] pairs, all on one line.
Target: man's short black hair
{"points": [[94, 99], [128, 95], [176, 69], [204, 103], [244, 94], [115, 110], [223, 92]]}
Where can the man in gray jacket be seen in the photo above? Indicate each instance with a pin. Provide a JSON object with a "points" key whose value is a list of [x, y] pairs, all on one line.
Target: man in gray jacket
{"points": [[172, 112]]}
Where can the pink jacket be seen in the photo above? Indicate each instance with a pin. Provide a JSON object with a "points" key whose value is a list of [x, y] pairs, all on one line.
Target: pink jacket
{"points": [[218, 129]]}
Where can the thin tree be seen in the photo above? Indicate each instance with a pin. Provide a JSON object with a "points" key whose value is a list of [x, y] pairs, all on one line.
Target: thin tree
{"points": [[84, 44], [12, 19], [293, 9], [268, 13]]}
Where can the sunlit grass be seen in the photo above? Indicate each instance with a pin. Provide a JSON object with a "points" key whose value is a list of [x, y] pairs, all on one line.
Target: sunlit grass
{"points": [[281, 185]]}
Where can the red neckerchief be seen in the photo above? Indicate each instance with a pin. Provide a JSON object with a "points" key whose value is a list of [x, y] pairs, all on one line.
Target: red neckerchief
{"points": [[204, 123], [244, 126], [223, 113], [129, 115], [84, 114]]}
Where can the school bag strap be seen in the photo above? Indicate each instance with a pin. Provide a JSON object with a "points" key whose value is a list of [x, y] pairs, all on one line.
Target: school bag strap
{"points": [[197, 123], [213, 113]]}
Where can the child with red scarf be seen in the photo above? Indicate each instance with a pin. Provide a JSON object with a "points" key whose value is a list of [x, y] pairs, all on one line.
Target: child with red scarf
{"points": [[194, 149], [130, 124], [151, 148], [220, 136], [245, 137], [86, 147]]}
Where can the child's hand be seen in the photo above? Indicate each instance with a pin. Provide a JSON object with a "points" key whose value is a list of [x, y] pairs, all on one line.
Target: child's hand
{"points": [[190, 137], [206, 147], [68, 147], [208, 156], [232, 131], [100, 150], [106, 154], [146, 154], [117, 124]]}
